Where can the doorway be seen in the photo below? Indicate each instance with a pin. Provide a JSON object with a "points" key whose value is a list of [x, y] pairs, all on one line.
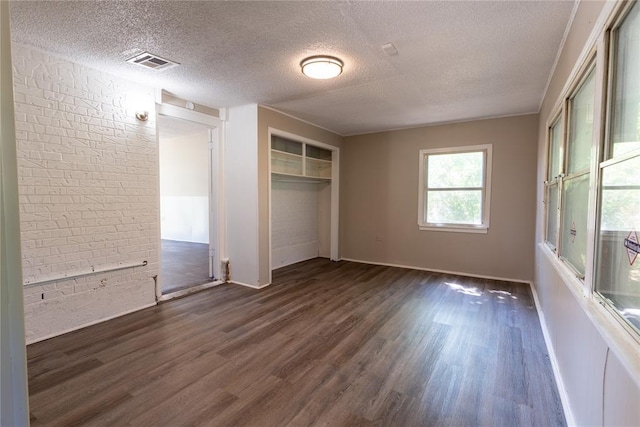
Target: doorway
{"points": [[188, 240]]}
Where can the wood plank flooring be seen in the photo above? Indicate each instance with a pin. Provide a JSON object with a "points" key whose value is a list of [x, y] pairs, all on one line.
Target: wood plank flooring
{"points": [[337, 344], [183, 264]]}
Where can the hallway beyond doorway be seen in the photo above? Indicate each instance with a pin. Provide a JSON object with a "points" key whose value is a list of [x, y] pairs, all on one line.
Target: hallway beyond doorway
{"points": [[184, 264]]}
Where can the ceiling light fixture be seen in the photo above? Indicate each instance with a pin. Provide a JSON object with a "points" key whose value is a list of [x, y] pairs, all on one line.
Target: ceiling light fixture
{"points": [[321, 67]]}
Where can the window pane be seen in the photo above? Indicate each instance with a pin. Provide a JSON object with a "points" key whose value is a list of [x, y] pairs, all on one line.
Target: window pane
{"points": [[618, 261], [454, 207], [455, 170], [621, 195], [555, 150], [581, 128], [626, 98], [574, 222], [552, 215]]}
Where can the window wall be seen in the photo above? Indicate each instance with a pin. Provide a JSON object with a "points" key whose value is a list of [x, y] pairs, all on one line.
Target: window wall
{"points": [[617, 264], [593, 164]]}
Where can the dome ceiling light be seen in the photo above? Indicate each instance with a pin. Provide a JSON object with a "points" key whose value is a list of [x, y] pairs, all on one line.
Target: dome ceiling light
{"points": [[321, 67]]}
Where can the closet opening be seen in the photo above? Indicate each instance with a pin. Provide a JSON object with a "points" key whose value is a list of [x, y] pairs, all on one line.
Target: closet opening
{"points": [[304, 182]]}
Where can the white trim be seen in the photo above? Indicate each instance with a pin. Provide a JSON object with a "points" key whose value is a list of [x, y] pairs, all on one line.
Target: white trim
{"points": [[334, 248], [300, 120], [213, 255], [190, 290], [433, 270], [14, 393], [598, 28], [567, 30], [248, 285], [299, 138], [183, 113], [562, 390], [222, 201], [444, 122], [94, 322], [449, 228], [599, 65], [557, 118], [567, 274], [334, 234], [217, 225], [487, 150]]}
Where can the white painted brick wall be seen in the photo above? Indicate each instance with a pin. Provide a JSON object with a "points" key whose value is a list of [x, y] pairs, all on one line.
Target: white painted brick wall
{"points": [[88, 183]]}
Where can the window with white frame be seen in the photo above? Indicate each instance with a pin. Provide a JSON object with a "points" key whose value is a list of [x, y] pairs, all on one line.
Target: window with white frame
{"points": [[567, 184], [618, 230], [551, 184], [454, 189], [575, 181]]}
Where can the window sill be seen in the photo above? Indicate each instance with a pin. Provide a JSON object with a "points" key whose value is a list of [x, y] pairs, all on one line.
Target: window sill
{"points": [[454, 229], [616, 336]]}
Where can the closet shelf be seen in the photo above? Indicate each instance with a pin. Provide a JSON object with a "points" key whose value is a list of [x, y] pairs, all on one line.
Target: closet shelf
{"points": [[285, 153], [299, 159], [284, 177]]}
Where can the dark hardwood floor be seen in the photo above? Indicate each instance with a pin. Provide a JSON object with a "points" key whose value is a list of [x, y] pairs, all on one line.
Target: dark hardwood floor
{"points": [[183, 264], [337, 344]]}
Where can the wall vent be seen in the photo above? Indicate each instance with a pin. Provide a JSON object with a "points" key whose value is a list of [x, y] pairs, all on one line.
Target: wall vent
{"points": [[154, 62]]}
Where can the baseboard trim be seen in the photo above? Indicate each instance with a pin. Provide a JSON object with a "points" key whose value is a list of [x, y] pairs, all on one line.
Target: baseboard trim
{"points": [[95, 322], [562, 391], [295, 262], [191, 290], [456, 273], [246, 285]]}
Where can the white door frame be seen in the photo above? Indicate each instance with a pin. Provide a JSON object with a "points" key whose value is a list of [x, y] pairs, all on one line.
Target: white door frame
{"points": [[335, 191], [216, 184]]}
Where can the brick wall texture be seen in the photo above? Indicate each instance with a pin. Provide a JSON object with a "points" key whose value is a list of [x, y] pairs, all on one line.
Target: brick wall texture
{"points": [[88, 184]]}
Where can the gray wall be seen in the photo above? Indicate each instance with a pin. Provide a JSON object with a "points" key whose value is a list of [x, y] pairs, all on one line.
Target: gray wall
{"points": [[379, 199]]}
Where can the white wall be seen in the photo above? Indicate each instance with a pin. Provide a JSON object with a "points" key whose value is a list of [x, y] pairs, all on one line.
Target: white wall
{"points": [[241, 190], [296, 210], [597, 361], [88, 183], [14, 401], [184, 188]]}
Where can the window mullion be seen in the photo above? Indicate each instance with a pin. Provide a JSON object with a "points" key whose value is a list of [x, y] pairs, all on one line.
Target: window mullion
{"points": [[558, 242], [597, 152], [564, 151]]}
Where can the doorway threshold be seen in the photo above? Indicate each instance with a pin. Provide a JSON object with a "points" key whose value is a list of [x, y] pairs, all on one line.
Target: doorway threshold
{"points": [[190, 290]]}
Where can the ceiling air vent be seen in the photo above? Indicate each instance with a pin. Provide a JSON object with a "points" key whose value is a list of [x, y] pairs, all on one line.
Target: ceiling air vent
{"points": [[148, 60]]}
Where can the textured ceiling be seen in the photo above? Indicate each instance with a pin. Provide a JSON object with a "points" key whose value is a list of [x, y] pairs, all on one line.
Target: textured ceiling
{"points": [[457, 60]]}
